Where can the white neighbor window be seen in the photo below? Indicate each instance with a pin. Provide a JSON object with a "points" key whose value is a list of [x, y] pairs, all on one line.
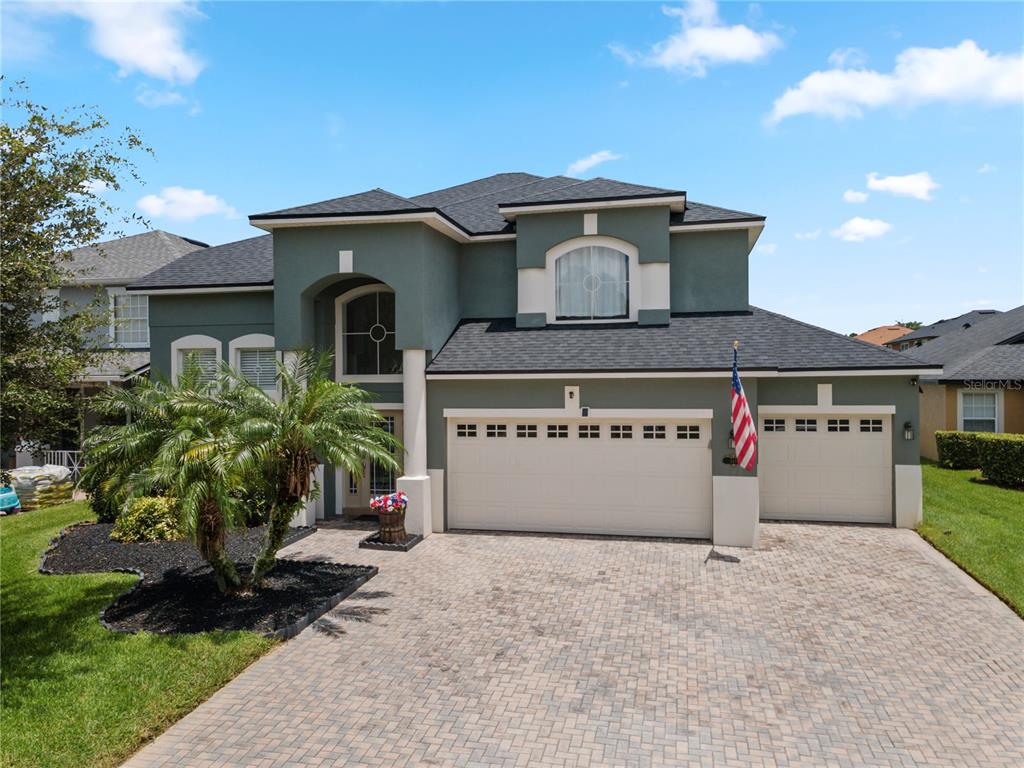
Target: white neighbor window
{"points": [[258, 367], [129, 319], [592, 283], [979, 411]]}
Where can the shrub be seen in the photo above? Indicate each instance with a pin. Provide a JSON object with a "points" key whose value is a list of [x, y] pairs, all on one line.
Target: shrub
{"points": [[1001, 458], [105, 504], [151, 518], [958, 450]]}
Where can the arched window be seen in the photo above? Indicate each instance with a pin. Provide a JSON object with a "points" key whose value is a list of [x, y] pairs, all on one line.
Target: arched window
{"points": [[366, 333], [592, 283]]}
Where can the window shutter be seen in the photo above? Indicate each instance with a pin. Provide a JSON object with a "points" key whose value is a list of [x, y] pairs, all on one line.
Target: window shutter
{"points": [[259, 367], [204, 359]]}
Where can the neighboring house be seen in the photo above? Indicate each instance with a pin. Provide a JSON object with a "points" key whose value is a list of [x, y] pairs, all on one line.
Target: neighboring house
{"points": [[981, 387], [100, 273], [556, 356], [939, 328], [883, 334]]}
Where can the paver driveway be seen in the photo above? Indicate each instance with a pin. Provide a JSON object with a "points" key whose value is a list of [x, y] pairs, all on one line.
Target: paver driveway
{"points": [[831, 645]]}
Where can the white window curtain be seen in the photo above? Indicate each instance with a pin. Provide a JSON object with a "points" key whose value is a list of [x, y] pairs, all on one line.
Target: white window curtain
{"points": [[259, 367], [203, 359], [979, 411], [592, 283]]}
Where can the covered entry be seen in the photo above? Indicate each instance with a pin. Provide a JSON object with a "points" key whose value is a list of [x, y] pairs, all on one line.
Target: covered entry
{"points": [[827, 467], [608, 475]]}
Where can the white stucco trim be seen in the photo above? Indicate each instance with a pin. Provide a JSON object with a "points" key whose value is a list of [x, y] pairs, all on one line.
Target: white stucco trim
{"points": [[531, 284], [655, 285], [827, 410], [670, 375], [555, 252], [436, 499], [674, 202], [344, 262], [737, 511], [909, 504], [185, 291], [589, 223], [339, 338], [249, 341], [754, 229], [998, 392], [193, 341], [824, 394], [432, 219], [695, 414]]}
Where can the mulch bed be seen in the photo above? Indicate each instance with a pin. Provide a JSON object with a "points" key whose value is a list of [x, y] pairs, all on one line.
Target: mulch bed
{"points": [[177, 593]]}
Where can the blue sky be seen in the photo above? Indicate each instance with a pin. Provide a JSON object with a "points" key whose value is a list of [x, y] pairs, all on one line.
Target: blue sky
{"points": [[911, 111]]}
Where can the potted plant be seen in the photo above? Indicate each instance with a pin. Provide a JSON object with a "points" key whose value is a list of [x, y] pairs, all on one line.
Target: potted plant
{"points": [[390, 511], [8, 496]]}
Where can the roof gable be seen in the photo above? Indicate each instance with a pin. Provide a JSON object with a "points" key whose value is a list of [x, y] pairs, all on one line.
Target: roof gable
{"points": [[117, 262]]}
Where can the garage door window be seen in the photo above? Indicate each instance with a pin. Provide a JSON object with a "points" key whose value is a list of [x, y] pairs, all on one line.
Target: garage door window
{"points": [[838, 425], [465, 430], [621, 431], [589, 431], [558, 430], [806, 425], [654, 432], [497, 430], [526, 430], [774, 425], [870, 425], [688, 432], [979, 411]]}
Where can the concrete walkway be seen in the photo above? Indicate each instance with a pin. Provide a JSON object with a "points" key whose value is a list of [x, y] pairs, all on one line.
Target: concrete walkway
{"points": [[830, 646]]}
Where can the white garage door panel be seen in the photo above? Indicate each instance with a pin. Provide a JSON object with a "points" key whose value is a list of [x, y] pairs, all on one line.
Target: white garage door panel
{"points": [[582, 485], [826, 476]]}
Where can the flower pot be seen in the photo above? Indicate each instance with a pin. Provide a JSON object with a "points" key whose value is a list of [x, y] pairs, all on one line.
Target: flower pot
{"points": [[392, 526]]}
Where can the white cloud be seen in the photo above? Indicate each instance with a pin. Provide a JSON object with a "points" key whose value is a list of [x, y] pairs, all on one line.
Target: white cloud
{"points": [[182, 204], [149, 97], [146, 37], [916, 185], [965, 73], [702, 41], [858, 229], [584, 164], [769, 249], [94, 186], [986, 168], [853, 196], [843, 58], [814, 234]]}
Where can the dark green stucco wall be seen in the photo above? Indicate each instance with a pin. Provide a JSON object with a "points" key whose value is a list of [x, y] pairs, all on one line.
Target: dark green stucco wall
{"points": [[709, 271], [224, 316], [488, 279]]}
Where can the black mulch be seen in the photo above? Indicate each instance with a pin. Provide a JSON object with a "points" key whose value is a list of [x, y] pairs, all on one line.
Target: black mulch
{"points": [[373, 542], [177, 593]]}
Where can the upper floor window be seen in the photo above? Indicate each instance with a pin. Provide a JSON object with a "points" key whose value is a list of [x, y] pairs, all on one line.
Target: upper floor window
{"points": [[367, 333], [592, 283], [130, 323]]}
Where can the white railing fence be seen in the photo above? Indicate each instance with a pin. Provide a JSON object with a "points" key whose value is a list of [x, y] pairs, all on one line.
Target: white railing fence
{"points": [[70, 459]]}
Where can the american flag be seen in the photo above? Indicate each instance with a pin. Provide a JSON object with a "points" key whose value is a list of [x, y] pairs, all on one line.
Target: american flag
{"points": [[744, 433]]}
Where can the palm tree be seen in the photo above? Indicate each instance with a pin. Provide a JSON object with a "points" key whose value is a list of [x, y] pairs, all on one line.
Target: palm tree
{"points": [[279, 439], [175, 439]]}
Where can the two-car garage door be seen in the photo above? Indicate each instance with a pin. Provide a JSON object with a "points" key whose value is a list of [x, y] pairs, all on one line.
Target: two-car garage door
{"points": [[642, 477]]}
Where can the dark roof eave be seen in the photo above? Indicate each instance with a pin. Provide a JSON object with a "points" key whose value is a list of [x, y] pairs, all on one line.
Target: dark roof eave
{"points": [[187, 286], [744, 220], [723, 370], [258, 217]]}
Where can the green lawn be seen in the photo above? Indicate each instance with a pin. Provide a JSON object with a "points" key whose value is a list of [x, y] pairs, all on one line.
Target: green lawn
{"points": [[75, 694], [979, 527]]}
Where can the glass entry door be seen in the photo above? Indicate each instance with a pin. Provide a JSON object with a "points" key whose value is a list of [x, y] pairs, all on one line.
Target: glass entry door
{"points": [[375, 481]]}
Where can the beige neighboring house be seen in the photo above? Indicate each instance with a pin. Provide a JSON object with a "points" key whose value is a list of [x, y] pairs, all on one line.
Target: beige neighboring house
{"points": [[883, 334], [101, 272], [981, 388]]}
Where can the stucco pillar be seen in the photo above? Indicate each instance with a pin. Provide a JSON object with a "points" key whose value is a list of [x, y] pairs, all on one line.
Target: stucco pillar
{"points": [[908, 495], [736, 511], [415, 482]]}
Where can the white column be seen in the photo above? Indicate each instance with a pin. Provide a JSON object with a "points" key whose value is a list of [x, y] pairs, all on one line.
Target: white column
{"points": [[415, 482], [908, 495], [737, 511]]}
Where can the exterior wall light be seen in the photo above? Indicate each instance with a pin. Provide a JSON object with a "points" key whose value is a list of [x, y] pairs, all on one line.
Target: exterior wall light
{"points": [[908, 431]]}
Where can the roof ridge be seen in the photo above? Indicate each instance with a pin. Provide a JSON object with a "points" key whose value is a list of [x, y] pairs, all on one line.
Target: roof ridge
{"points": [[575, 183], [475, 181], [386, 192], [507, 189]]}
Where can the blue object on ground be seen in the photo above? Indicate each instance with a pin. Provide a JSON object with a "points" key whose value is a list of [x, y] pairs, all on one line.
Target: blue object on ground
{"points": [[9, 501]]}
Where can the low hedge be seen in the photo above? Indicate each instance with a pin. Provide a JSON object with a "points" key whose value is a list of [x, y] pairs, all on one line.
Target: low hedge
{"points": [[958, 450], [1001, 457], [151, 518]]}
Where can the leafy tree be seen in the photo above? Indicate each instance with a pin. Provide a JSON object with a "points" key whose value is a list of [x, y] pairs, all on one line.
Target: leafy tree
{"points": [[54, 168], [911, 324], [279, 441], [212, 445]]}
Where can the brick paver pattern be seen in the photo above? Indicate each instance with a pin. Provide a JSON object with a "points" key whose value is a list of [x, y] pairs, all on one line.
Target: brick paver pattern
{"points": [[828, 646]]}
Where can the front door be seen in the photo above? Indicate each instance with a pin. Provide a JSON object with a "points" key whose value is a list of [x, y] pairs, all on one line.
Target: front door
{"points": [[375, 480]]}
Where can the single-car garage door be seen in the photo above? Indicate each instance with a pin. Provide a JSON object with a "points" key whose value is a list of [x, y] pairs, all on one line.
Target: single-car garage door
{"points": [[613, 476], [828, 468]]}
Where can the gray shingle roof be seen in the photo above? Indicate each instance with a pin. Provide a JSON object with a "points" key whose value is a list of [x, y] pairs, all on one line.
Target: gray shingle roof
{"points": [[473, 206], [246, 262], [942, 327], [688, 343], [985, 350], [995, 363], [116, 365], [118, 262]]}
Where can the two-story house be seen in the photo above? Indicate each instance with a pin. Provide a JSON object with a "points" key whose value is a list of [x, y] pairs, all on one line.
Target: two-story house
{"points": [[556, 356]]}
